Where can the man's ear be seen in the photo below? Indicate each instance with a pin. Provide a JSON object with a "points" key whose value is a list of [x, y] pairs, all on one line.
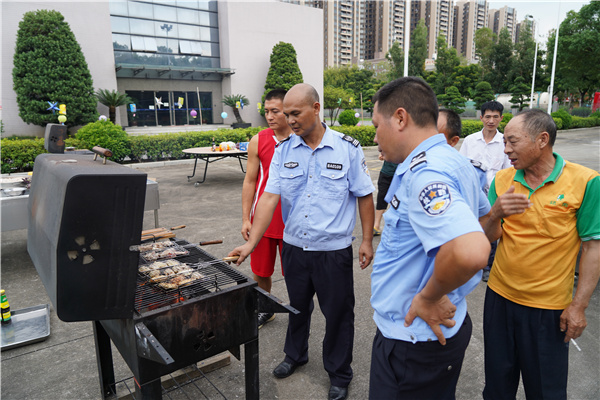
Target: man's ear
{"points": [[454, 141], [400, 118], [316, 107], [544, 139]]}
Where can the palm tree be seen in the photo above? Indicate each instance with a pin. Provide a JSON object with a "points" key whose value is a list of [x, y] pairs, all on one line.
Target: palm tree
{"points": [[112, 99], [232, 100]]}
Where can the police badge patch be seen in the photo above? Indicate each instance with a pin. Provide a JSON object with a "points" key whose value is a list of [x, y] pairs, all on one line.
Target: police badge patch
{"points": [[363, 164], [435, 198], [291, 164]]}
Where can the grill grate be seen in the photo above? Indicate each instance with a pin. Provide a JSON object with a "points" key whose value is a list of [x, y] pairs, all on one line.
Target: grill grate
{"points": [[217, 276]]}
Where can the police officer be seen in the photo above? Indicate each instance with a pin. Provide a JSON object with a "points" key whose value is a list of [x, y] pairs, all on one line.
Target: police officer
{"points": [[431, 251], [319, 174]]}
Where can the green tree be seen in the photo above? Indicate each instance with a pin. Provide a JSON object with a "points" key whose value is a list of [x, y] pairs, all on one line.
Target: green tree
{"points": [[232, 101], [112, 99], [334, 99], [484, 44], [482, 94], [447, 60], [579, 50], [453, 100], [284, 71], [347, 118], [49, 67], [524, 54], [418, 50], [395, 56], [502, 59], [465, 78], [520, 93]]}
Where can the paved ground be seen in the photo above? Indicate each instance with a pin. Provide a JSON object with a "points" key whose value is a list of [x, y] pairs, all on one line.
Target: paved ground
{"points": [[64, 366]]}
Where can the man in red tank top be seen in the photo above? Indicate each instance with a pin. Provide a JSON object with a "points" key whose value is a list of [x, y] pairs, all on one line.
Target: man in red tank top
{"points": [[260, 153]]}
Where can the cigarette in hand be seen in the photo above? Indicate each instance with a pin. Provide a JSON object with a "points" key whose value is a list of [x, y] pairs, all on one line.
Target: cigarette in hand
{"points": [[575, 344]]}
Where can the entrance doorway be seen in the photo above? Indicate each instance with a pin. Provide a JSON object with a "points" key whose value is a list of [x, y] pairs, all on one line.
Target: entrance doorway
{"points": [[169, 108]]}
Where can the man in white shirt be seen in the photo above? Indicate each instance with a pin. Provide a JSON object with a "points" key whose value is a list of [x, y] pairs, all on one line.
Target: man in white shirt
{"points": [[487, 145]]}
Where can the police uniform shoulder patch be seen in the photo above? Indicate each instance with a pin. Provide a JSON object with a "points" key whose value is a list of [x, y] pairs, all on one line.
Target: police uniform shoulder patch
{"points": [[350, 139], [435, 198], [477, 164], [283, 141], [419, 159]]}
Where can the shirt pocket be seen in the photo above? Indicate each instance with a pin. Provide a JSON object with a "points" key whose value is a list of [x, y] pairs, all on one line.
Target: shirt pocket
{"points": [[555, 223], [292, 182], [334, 184], [391, 236]]}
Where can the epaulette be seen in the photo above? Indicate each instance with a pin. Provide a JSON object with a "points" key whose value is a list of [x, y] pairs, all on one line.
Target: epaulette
{"points": [[478, 164], [284, 140], [417, 160], [350, 139]]}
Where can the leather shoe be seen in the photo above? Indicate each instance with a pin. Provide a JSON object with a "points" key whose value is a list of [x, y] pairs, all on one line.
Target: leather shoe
{"points": [[285, 369], [338, 393]]}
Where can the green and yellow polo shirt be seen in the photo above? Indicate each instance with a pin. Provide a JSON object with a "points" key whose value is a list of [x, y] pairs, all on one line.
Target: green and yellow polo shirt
{"points": [[536, 256]]}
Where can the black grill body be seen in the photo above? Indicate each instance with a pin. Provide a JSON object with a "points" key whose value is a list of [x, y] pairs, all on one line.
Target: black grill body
{"points": [[84, 216]]}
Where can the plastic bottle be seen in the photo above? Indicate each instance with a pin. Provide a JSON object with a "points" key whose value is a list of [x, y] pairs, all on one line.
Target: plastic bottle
{"points": [[6, 314]]}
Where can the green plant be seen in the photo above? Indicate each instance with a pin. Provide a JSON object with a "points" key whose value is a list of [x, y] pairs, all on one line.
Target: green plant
{"points": [[112, 99], [364, 134], [506, 117], [347, 118], [105, 134], [284, 71], [564, 116], [482, 94], [558, 122], [581, 111], [49, 67], [232, 101], [19, 155], [453, 100], [470, 126]]}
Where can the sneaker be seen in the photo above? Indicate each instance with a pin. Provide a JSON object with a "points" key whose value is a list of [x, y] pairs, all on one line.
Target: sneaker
{"points": [[376, 232], [263, 318]]}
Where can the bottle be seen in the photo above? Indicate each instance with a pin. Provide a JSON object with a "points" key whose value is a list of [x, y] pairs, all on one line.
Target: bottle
{"points": [[6, 314], [214, 146]]}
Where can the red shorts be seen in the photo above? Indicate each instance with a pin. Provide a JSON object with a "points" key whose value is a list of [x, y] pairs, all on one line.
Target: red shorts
{"points": [[262, 259]]}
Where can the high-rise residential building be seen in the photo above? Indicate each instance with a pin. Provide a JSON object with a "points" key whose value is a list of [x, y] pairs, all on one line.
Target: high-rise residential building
{"points": [[438, 17], [470, 15], [521, 27], [505, 17]]}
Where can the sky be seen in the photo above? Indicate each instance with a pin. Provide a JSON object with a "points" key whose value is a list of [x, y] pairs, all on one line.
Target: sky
{"points": [[545, 12]]}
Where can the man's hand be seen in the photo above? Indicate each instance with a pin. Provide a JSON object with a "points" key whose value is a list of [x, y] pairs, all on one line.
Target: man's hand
{"points": [[365, 253], [434, 313], [510, 203], [246, 226], [243, 251], [572, 321]]}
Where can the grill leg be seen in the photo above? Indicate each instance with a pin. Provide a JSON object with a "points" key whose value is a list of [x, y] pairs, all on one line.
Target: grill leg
{"points": [[149, 391], [251, 364], [106, 371]]}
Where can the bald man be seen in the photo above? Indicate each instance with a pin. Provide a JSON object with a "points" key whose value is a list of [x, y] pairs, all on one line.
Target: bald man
{"points": [[320, 175]]}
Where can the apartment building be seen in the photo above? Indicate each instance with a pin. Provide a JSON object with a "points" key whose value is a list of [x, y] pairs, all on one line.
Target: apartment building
{"points": [[438, 16], [505, 17], [520, 27], [470, 15]]}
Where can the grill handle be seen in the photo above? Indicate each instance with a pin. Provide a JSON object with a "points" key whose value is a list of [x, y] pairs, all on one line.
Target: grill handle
{"points": [[149, 347], [267, 303], [101, 151], [210, 242]]}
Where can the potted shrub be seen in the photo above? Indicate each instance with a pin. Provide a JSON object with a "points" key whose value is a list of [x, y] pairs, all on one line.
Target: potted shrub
{"points": [[232, 101]]}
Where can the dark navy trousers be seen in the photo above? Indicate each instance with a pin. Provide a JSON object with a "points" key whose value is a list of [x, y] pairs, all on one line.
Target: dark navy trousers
{"points": [[328, 274]]}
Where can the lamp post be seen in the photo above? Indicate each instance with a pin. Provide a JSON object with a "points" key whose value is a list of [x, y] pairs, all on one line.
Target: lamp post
{"points": [[551, 90], [534, 63], [407, 9], [167, 28]]}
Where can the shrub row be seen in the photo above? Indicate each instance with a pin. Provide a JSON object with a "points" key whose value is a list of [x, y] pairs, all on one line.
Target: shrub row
{"points": [[19, 155]]}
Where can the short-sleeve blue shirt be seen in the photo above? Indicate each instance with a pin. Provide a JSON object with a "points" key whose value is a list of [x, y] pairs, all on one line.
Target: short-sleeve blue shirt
{"points": [[435, 197], [318, 189]]}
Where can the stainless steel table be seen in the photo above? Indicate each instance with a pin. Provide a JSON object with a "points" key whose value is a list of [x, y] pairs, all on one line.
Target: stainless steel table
{"points": [[14, 213], [209, 156]]}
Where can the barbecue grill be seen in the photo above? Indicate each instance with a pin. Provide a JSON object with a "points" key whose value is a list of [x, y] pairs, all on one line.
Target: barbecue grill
{"points": [[84, 232]]}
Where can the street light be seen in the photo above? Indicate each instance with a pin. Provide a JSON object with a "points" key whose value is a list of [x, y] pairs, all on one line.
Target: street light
{"points": [[551, 90], [534, 61]]}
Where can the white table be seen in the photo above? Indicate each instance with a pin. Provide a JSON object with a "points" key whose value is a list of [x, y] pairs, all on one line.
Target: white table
{"points": [[208, 155]]}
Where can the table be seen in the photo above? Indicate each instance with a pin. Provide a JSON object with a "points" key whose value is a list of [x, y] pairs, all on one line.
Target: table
{"points": [[16, 216], [206, 153]]}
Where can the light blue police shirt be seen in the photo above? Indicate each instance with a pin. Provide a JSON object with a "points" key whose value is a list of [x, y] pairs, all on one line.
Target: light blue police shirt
{"points": [[434, 197], [318, 189]]}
